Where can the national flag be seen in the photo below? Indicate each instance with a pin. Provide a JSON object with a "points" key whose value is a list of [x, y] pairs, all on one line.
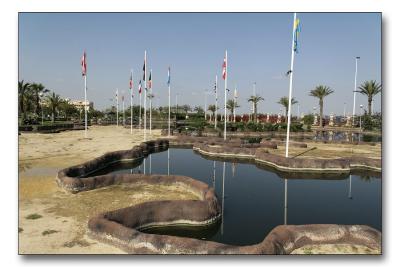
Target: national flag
{"points": [[140, 86], [116, 95], [235, 93], [83, 64], [296, 33], [144, 70], [224, 69], [123, 98], [131, 82], [149, 84], [169, 76], [215, 87]]}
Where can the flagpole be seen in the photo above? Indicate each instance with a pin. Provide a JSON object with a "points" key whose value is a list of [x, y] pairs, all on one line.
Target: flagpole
{"points": [[132, 102], [123, 108], [234, 104], [290, 104], [169, 106], [85, 109], [151, 98], [145, 94], [216, 101], [140, 108], [117, 107], [226, 80], [354, 92]]}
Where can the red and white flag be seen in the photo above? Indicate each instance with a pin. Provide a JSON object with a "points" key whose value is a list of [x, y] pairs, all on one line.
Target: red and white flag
{"points": [[224, 69], [83, 64], [131, 82]]}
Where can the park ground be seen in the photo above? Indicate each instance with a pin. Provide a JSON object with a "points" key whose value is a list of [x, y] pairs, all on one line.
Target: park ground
{"points": [[52, 221]]}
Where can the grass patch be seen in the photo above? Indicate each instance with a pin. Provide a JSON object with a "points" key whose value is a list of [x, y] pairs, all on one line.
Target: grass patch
{"points": [[49, 232], [20, 230], [33, 216]]}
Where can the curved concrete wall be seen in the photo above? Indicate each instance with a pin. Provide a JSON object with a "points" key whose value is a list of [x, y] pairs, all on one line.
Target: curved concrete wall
{"points": [[123, 227]]}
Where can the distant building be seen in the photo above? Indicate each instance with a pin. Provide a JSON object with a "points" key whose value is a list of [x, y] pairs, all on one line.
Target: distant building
{"points": [[80, 104]]}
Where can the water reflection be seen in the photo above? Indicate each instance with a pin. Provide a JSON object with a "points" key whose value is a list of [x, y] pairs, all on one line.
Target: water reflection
{"points": [[257, 199]]}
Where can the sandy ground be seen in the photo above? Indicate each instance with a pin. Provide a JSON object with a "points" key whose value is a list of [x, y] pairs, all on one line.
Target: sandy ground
{"points": [[330, 151], [59, 220], [61, 226]]}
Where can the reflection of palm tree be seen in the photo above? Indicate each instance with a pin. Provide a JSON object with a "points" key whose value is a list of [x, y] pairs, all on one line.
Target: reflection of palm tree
{"points": [[366, 178]]}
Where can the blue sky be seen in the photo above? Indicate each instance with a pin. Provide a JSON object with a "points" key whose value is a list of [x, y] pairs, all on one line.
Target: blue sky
{"points": [[193, 44]]}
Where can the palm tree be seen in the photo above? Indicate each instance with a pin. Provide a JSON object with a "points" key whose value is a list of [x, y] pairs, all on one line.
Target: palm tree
{"points": [[370, 89], [231, 105], [186, 108], [285, 103], [38, 90], [320, 92], [199, 110], [212, 108], [23, 97], [255, 99], [53, 101]]}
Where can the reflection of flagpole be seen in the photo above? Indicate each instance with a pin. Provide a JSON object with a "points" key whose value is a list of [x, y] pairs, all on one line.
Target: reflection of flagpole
{"points": [[233, 169], [214, 176], [350, 196], [168, 161], [223, 197], [144, 166], [150, 164], [285, 208]]}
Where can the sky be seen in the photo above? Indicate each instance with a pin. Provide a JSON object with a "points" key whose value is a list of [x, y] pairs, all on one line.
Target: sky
{"points": [[193, 45]]}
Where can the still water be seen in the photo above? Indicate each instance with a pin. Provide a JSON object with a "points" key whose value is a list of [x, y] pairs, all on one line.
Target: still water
{"points": [[253, 198]]}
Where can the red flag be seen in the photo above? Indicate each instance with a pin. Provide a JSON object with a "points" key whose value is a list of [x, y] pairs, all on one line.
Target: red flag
{"points": [[83, 63], [130, 82], [224, 69]]}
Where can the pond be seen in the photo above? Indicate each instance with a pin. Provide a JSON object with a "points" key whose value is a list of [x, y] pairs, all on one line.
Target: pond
{"points": [[253, 198]]}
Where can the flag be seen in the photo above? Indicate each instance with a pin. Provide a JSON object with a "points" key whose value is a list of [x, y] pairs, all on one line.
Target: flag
{"points": [[131, 82], [296, 33], [149, 85], [224, 69], [83, 64], [116, 95], [215, 87], [169, 76], [123, 98], [144, 70], [140, 86], [235, 93]]}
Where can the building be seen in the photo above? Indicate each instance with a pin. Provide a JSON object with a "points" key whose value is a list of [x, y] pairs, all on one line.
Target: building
{"points": [[79, 104]]}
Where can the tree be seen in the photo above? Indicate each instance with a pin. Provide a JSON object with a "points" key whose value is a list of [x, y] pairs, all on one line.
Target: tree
{"points": [[199, 110], [186, 108], [320, 92], [255, 99], [53, 101], [212, 108], [38, 90], [23, 98], [370, 89], [285, 103], [231, 105]]}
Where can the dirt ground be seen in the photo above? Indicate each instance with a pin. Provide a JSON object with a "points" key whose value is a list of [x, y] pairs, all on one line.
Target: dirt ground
{"points": [[52, 221]]}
